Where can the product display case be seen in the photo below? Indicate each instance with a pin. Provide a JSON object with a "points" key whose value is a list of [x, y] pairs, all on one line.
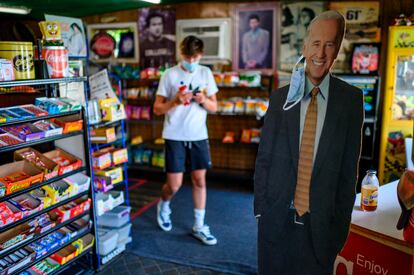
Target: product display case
{"points": [[398, 108]]}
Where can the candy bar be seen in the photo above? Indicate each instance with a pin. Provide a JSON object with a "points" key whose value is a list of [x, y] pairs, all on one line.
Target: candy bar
{"points": [[17, 176], [14, 258], [9, 139]]}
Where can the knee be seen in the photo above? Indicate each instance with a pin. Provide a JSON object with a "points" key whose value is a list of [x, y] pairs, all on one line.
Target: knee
{"points": [[198, 181], [174, 187]]}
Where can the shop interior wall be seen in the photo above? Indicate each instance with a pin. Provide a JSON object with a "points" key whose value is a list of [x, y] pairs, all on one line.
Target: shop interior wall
{"points": [[388, 11]]}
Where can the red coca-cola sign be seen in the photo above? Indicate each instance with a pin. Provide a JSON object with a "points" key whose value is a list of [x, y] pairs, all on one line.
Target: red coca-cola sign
{"points": [[103, 44], [57, 61]]}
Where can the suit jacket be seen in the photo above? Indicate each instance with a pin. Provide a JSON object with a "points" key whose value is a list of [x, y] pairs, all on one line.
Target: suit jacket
{"points": [[334, 175]]}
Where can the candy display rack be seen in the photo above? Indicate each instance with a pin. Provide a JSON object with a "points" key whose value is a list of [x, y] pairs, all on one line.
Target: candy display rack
{"points": [[110, 179], [80, 205]]}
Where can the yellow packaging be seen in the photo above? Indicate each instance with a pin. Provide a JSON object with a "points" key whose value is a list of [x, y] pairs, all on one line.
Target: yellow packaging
{"points": [[21, 55], [54, 194], [116, 174], [51, 30], [369, 196], [119, 156]]}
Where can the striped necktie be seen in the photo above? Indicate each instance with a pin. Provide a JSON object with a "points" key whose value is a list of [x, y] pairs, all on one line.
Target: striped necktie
{"points": [[305, 166]]}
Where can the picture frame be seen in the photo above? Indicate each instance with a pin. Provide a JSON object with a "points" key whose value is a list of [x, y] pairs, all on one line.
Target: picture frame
{"points": [[73, 35], [255, 36], [365, 58], [295, 18], [157, 37], [121, 42]]}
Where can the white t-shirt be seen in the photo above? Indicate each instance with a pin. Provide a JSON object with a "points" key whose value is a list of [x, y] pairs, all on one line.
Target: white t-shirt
{"points": [[186, 123]]}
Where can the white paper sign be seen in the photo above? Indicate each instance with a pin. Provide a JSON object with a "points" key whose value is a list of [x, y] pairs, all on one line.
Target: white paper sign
{"points": [[100, 86]]}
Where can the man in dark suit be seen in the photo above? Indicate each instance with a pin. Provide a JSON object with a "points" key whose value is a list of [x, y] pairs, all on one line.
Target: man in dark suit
{"points": [[306, 168]]}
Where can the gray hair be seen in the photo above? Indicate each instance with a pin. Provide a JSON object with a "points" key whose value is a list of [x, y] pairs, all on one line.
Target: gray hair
{"points": [[328, 15]]}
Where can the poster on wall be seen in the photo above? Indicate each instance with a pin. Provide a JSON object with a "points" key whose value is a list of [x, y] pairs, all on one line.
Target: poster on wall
{"points": [[361, 27], [157, 37], [255, 36], [73, 34], [295, 19]]}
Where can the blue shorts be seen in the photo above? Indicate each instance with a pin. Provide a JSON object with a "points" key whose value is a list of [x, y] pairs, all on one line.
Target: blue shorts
{"points": [[181, 156]]}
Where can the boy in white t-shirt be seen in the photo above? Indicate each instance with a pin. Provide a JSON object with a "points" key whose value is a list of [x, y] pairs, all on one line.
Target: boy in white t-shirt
{"points": [[185, 94]]}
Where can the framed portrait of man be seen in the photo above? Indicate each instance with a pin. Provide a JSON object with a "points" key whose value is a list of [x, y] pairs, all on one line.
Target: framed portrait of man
{"points": [[157, 37], [295, 19], [255, 36]]}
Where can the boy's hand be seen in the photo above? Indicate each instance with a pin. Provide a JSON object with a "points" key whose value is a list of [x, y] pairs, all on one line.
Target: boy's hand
{"points": [[181, 98], [200, 98]]}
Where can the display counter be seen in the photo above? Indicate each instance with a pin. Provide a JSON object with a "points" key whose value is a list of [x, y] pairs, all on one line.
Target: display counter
{"points": [[374, 244]]}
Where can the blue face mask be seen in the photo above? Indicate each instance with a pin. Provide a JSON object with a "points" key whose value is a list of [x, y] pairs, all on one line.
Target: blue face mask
{"points": [[297, 86], [191, 67]]}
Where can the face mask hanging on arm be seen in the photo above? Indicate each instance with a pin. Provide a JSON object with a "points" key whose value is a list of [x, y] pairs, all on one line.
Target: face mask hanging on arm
{"points": [[297, 86]]}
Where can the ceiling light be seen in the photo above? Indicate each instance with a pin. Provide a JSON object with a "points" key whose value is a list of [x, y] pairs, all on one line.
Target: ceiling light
{"points": [[16, 10], [152, 1]]}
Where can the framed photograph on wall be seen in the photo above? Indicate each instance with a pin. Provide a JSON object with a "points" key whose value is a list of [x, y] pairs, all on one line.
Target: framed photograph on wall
{"points": [[114, 41], [255, 36], [362, 20], [295, 19], [365, 58], [156, 37], [73, 34]]}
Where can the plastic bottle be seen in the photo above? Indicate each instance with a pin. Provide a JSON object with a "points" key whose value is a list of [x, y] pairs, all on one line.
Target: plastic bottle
{"points": [[369, 191]]}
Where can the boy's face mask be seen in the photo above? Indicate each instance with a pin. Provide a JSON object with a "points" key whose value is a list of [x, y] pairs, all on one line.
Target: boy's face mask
{"points": [[191, 67], [297, 85]]}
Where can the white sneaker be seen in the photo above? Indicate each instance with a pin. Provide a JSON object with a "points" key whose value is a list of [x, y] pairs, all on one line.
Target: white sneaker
{"points": [[204, 235], [163, 218]]}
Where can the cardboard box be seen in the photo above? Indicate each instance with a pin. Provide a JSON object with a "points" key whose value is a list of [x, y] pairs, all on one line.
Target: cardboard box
{"points": [[35, 175], [55, 195], [7, 139], [23, 262], [74, 105], [79, 182], [70, 123], [48, 127], [34, 110], [16, 235], [84, 243], [43, 196], [103, 135], [65, 254], [52, 105], [101, 160], [27, 204], [49, 167], [26, 132], [113, 113], [72, 209], [116, 174], [102, 183], [118, 155], [74, 162], [9, 213]]}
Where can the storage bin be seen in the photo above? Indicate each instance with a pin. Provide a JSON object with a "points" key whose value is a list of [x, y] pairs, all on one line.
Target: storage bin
{"points": [[117, 217], [107, 241]]}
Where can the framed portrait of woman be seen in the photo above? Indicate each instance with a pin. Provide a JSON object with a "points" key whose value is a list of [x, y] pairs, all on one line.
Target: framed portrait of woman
{"points": [[73, 34], [255, 36]]}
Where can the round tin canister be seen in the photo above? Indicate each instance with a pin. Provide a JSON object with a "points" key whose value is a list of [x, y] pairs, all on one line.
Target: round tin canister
{"points": [[21, 54]]}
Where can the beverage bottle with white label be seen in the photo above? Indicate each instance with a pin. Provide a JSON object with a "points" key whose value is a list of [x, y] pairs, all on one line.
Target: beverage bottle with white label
{"points": [[369, 191]]}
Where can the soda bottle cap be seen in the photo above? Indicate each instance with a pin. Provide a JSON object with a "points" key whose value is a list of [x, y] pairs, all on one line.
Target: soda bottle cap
{"points": [[371, 172]]}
